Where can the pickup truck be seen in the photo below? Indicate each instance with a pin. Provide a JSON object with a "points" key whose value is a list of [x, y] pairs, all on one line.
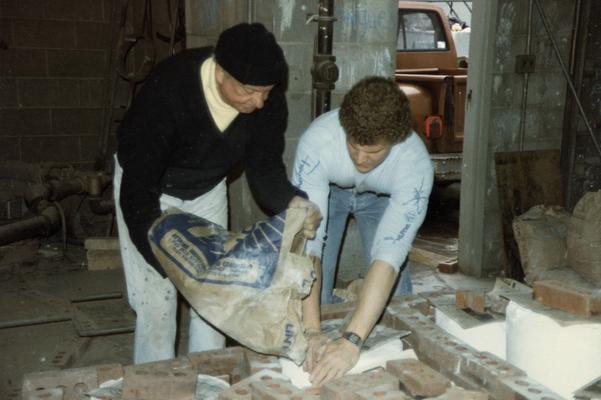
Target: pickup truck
{"points": [[428, 71]]}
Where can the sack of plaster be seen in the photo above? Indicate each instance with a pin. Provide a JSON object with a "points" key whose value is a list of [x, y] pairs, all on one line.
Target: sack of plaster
{"points": [[584, 237], [249, 285], [540, 234]]}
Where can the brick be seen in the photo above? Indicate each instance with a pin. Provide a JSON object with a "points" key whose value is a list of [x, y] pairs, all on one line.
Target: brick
{"points": [[418, 378], [378, 393], [242, 390], [567, 298], [75, 10], [488, 370], [76, 63], [257, 362], [230, 362], [91, 92], [101, 243], [76, 121], [524, 388], [278, 389], [23, 62], [450, 266], [24, 121], [10, 149], [74, 382], [103, 259], [8, 93], [43, 34], [457, 393], [36, 149], [89, 148], [92, 35], [108, 372], [471, 299], [44, 394], [49, 92], [344, 388], [169, 379]]}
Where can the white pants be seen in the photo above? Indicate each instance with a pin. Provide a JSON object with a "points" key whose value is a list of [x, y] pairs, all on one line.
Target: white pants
{"points": [[154, 298]]}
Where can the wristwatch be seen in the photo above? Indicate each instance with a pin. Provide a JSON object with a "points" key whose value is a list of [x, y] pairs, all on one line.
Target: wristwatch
{"points": [[353, 338]]}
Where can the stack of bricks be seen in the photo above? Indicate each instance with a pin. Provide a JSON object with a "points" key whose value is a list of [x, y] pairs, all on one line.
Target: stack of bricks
{"points": [[447, 369]]}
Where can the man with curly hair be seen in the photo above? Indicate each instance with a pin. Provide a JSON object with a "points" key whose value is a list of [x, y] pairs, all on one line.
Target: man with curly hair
{"points": [[363, 159]]}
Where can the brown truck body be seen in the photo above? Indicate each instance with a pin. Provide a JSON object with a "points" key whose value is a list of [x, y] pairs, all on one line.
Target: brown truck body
{"points": [[427, 71]]}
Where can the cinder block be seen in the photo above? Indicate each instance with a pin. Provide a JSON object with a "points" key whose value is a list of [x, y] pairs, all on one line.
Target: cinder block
{"points": [[24, 121], [471, 299], [49, 93], [457, 393], [345, 388], [103, 259], [43, 34], [418, 378], [76, 63], [562, 296]]}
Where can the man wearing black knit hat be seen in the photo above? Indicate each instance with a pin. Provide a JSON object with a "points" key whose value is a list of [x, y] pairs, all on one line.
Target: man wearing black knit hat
{"points": [[200, 113]]}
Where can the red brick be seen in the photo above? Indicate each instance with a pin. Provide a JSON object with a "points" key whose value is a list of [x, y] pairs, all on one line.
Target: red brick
{"points": [[44, 394], [488, 370], [169, 379], [74, 382], [108, 372], [278, 389], [230, 362], [448, 266], [457, 393], [257, 362], [418, 378], [524, 388], [242, 389], [344, 388], [471, 299], [380, 394], [564, 297]]}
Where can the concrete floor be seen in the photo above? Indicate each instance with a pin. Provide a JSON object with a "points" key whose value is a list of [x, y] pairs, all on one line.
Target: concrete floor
{"points": [[49, 310]]}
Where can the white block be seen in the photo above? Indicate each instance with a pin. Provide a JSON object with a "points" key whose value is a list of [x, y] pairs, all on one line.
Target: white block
{"points": [[563, 357], [488, 336]]}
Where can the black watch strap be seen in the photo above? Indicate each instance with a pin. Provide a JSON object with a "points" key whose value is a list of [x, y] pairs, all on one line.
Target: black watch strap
{"points": [[353, 338]]}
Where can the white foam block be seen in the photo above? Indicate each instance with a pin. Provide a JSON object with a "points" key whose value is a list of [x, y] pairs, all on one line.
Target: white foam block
{"points": [[369, 359], [561, 357], [488, 337]]}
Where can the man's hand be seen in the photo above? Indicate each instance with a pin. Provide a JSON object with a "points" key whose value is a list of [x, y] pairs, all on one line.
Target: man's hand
{"points": [[313, 218], [317, 342], [338, 357]]}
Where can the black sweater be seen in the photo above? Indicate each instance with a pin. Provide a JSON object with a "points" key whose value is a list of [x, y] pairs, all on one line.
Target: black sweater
{"points": [[169, 143]]}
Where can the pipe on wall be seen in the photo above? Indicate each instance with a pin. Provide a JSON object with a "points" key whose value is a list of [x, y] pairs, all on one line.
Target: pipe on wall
{"points": [[324, 71]]}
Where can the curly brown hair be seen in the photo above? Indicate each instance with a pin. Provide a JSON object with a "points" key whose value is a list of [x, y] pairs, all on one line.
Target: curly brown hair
{"points": [[375, 109]]}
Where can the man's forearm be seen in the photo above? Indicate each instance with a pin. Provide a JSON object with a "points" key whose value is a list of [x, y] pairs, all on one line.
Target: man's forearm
{"points": [[311, 315], [374, 295]]}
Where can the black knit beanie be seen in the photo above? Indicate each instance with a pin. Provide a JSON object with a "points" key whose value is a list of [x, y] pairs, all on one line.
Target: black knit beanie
{"points": [[249, 53]]}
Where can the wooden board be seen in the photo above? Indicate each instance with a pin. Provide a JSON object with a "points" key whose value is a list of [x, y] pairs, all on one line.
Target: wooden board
{"points": [[525, 179]]}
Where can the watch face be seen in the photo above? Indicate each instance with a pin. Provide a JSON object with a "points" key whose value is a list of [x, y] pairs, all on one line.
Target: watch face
{"points": [[353, 338]]}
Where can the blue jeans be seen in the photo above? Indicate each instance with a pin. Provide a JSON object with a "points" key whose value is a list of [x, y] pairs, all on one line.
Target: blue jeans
{"points": [[367, 208]]}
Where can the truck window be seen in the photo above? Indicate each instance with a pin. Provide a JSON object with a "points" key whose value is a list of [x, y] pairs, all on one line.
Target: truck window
{"points": [[420, 30]]}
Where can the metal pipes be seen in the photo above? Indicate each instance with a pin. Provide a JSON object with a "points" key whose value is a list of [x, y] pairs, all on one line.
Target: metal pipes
{"points": [[324, 70]]}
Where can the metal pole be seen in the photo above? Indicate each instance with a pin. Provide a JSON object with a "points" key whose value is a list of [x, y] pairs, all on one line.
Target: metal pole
{"points": [[526, 79], [567, 75]]}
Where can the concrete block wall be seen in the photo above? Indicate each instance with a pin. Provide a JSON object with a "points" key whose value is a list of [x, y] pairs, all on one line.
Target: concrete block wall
{"points": [[53, 68], [364, 44], [483, 253]]}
